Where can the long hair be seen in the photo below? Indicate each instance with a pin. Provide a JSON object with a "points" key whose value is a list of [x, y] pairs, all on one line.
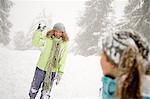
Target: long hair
{"points": [[50, 34], [130, 75]]}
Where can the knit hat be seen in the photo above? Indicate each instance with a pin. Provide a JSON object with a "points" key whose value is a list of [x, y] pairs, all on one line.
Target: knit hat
{"points": [[115, 44], [59, 27]]}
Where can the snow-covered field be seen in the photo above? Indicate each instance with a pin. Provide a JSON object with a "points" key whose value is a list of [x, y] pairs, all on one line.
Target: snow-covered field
{"points": [[81, 79]]}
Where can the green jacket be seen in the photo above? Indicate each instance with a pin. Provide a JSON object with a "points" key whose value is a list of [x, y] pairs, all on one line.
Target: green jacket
{"points": [[46, 44]]}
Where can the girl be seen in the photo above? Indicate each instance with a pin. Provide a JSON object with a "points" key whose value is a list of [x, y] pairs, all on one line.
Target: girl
{"points": [[124, 62], [51, 61]]}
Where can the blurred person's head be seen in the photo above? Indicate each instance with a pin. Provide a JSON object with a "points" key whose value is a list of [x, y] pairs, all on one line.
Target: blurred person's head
{"points": [[125, 57]]}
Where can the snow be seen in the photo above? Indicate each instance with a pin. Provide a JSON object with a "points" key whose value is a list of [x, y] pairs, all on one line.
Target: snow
{"points": [[81, 79]]}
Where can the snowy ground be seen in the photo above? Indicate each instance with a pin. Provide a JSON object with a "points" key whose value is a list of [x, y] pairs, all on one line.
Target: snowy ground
{"points": [[81, 79]]}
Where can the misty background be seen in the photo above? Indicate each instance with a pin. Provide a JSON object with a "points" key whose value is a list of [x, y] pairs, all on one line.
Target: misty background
{"points": [[86, 21]]}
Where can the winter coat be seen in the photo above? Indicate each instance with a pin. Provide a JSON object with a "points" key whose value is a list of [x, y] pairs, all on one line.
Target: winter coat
{"points": [[109, 88], [46, 44]]}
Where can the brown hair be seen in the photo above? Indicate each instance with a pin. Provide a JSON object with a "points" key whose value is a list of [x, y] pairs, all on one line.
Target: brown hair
{"points": [[130, 74], [50, 34]]}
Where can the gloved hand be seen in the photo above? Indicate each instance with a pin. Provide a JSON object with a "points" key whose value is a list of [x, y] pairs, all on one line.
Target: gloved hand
{"points": [[41, 28], [58, 78]]}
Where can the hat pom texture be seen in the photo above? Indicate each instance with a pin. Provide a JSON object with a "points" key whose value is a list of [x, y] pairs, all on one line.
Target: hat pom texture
{"points": [[115, 44]]}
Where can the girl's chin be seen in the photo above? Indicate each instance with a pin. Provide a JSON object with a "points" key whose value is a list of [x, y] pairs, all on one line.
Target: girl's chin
{"points": [[57, 36]]}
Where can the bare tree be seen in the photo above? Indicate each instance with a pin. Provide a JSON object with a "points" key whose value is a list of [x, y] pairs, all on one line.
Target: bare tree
{"points": [[137, 17], [5, 6], [93, 23]]}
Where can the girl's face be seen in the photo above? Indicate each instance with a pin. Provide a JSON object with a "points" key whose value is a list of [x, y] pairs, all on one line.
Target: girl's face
{"points": [[107, 67], [57, 33]]}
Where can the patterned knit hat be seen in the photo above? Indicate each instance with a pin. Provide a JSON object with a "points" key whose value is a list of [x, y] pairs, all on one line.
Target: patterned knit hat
{"points": [[115, 44], [59, 27]]}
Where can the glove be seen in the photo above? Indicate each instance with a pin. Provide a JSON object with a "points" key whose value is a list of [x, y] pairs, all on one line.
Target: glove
{"points": [[41, 28], [58, 78]]}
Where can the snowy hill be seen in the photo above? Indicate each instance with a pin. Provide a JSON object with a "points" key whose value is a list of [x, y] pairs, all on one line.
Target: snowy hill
{"points": [[81, 79]]}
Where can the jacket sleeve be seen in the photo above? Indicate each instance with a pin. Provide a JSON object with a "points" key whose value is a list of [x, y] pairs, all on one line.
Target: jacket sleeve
{"points": [[38, 40], [63, 59]]}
